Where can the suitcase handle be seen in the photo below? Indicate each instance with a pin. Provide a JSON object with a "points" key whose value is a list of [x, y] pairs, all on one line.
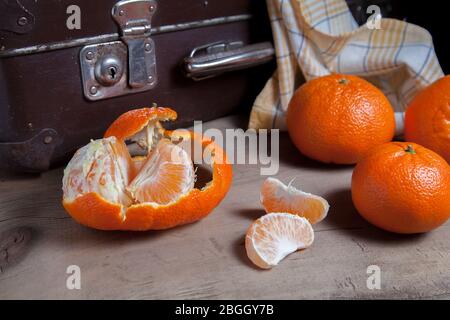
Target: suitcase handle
{"points": [[214, 59]]}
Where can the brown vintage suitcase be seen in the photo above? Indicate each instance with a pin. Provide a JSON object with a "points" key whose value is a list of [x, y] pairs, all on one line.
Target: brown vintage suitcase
{"points": [[70, 67]]}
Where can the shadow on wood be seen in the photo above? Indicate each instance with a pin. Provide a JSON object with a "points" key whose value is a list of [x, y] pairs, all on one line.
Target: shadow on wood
{"points": [[343, 216]]}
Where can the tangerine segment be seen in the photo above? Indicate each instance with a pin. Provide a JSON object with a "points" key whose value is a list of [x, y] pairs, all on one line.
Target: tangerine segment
{"points": [[102, 167], [195, 205], [274, 236], [167, 174], [278, 197], [134, 121]]}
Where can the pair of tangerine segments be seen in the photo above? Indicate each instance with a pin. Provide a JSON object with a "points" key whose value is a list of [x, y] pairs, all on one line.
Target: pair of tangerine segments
{"points": [[106, 188], [287, 226]]}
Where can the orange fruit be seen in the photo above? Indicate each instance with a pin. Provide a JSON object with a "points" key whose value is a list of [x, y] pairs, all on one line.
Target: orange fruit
{"points": [[339, 118], [402, 187], [105, 187], [277, 197], [274, 236], [427, 119]]}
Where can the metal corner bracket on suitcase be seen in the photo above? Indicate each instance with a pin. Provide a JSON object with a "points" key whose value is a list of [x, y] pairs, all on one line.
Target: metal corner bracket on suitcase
{"points": [[119, 64]]}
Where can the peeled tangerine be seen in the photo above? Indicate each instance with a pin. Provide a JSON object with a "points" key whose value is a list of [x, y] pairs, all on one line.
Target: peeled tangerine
{"points": [[107, 188]]}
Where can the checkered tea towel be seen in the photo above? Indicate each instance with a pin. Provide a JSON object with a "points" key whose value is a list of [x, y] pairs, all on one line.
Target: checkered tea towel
{"points": [[314, 38]]}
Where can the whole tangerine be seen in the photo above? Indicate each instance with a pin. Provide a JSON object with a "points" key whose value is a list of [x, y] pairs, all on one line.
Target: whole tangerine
{"points": [[402, 187], [338, 118], [427, 119]]}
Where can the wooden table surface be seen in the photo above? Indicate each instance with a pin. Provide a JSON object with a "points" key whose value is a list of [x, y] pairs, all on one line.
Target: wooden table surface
{"points": [[38, 241]]}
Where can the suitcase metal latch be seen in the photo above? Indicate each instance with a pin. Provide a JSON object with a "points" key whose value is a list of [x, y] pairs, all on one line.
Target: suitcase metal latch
{"points": [[122, 67]]}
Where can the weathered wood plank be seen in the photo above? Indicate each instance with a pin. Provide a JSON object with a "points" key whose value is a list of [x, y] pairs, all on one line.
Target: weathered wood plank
{"points": [[38, 241]]}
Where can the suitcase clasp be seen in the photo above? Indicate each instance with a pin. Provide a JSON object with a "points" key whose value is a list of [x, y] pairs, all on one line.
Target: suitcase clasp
{"points": [[134, 19], [122, 67]]}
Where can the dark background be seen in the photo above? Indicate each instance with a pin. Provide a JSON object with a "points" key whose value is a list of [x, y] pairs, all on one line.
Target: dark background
{"points": [[433, 16]]}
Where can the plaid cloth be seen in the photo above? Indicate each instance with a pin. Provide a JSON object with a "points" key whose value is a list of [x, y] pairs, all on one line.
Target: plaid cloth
{"points": [[314, 38]]}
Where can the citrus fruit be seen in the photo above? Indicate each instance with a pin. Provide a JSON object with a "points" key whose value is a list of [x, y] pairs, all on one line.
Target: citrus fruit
{"points": [[427, 119], [277, 197], [402, 187], [274, 236], [139, 177], [338, 118]]}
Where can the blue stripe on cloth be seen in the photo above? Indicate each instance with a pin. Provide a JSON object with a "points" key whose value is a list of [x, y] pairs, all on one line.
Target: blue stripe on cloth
{"points": [[329, 48], [419, 73], [328, 18], [294, 32], [300, 47], [402, 43], [277, 107], [326, 13]]}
